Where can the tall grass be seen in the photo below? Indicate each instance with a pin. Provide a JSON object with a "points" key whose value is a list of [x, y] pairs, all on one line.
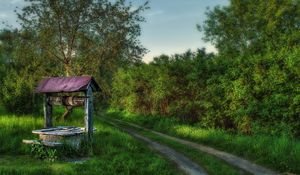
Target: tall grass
{"points": [[15, 128], [113, 151], [278, 152]]}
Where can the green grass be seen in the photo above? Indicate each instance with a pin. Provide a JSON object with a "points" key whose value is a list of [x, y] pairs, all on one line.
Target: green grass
{"points": [[281, 153], [2, 110], [15, 128], [113, 151], [211, 164]]}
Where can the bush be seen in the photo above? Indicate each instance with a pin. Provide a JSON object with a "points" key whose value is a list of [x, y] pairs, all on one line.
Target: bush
{"points": [[44, 153], [17, 94], [52, 154], [215, 91]]}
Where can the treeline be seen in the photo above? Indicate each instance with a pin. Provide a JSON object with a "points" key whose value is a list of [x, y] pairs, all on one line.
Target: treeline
{"points": [[251, 85], [237, 94]]}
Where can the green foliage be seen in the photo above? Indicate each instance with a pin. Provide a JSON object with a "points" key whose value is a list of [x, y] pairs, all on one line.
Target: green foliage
{"points": [[24, 67], [251, 86], [65, 151], [85, 37], [165, 86], [44, 153], [215, 91], [6, 48], [150, 85], [253, 26], [17, 94], [66, 37]]}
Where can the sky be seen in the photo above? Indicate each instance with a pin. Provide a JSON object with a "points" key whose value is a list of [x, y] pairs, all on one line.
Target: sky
{"points": [[170, 25]]}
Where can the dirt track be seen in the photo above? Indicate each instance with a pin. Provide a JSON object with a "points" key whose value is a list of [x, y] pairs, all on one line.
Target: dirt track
{"points": [[229, 158], [183, 163]]}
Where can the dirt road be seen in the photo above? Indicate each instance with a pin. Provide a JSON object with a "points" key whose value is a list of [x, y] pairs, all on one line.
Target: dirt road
{"points": [[229, 158], [183, 163]]}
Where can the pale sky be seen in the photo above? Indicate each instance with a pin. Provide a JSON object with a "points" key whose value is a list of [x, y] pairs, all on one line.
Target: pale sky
{"points": [[170, 27]]}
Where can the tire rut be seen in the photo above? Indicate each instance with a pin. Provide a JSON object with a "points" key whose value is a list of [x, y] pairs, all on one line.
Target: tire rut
{"points": [[227, 157], [183, 163]]}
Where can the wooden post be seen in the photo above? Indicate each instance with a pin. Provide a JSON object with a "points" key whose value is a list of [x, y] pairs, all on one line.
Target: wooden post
{"points": [[47, 112], [88, 119]]}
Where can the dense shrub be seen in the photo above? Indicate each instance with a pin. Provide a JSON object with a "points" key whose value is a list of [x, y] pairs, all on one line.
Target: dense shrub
{"points": [[17, 94], [215, 91]]}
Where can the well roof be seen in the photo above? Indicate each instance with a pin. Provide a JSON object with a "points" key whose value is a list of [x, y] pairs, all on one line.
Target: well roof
{"points": [[66, 84]]}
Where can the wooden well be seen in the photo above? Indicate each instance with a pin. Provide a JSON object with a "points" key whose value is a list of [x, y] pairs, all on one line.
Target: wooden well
{"points": [[71, 135]]}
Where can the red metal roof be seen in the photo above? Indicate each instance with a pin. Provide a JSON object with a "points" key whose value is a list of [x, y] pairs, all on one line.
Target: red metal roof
{"points": [[66, 84]]}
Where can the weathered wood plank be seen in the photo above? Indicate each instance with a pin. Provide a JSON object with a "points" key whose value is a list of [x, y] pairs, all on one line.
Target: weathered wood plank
{"points": [[60, 131], [46, 143], [31, 142], [47, 111], [53, 144], [89, 112]]}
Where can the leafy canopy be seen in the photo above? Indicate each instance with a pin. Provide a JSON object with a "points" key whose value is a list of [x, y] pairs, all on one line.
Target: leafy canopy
{"points": [[67, 37], [253, 26], [81, 35]]}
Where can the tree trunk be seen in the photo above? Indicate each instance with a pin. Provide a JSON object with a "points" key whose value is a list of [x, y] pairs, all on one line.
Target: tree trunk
{"points": [[68, 69]]}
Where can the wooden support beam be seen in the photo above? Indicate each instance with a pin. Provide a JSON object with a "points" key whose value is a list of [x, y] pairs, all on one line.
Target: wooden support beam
{"points": [[89, 112], [67, 100], [47, 112]]}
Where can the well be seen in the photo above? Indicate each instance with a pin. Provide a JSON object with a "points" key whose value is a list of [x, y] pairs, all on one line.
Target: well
{"points": [[70, 135]]}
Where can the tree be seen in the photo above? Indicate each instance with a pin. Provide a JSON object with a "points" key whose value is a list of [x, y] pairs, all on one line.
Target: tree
{"points": [[66, 37], [84, 35], [253, 26], [6, 47], [21, 67]]}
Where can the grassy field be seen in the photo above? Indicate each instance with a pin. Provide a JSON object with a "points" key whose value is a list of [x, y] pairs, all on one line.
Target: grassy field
{"points": [[280, 153], [113, 152]]}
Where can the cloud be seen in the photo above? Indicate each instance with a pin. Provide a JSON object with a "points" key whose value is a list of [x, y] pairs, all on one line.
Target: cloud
{"points": [[210, 48], [16, 1], [133, 8], [3, 15], [154, 13], [171, 50]]}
